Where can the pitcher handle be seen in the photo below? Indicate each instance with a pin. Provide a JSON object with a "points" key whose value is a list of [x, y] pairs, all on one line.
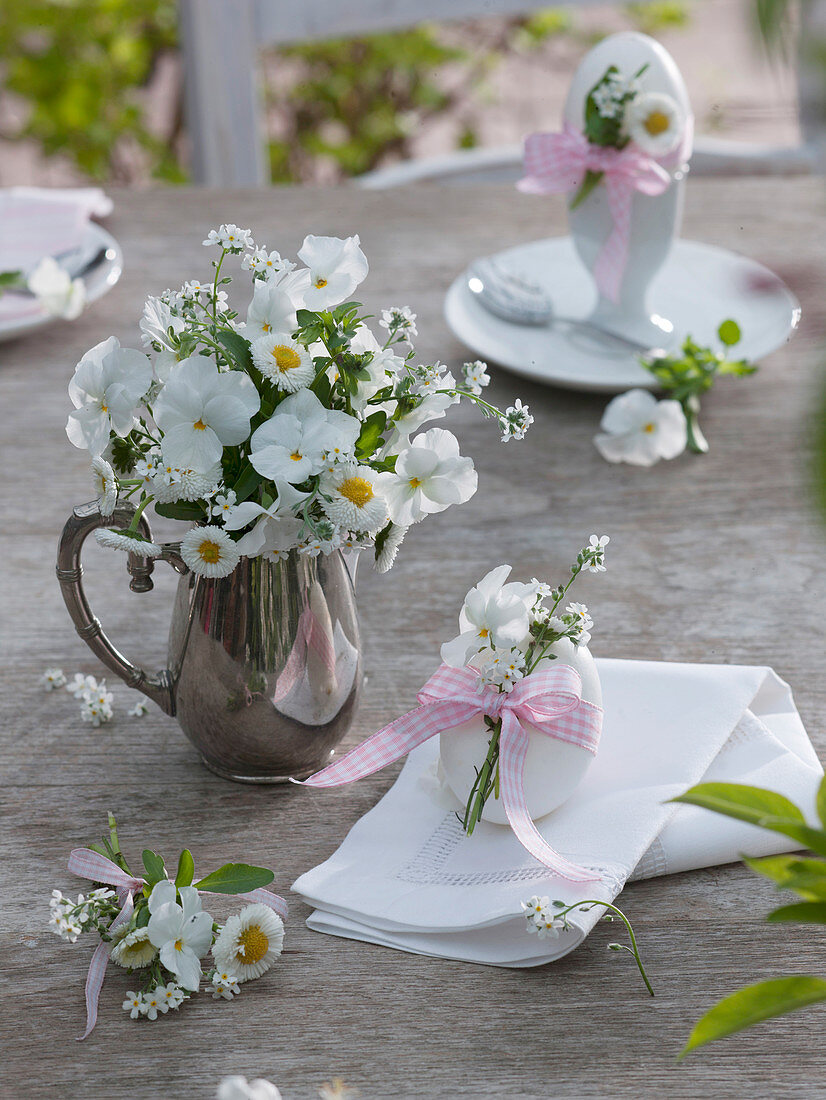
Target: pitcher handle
{"points": [[85, 519]]}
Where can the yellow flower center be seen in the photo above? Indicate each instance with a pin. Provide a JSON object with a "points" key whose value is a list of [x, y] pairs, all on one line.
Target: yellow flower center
{"points": [[210, 552], [104, 408], [199, 425], [357, 490], [252, 945], [657, 123], [296, 456], [286, 358], [415, 482], [484, 632], [179, 945], [267, 328], [320, 283], [650, 427]]}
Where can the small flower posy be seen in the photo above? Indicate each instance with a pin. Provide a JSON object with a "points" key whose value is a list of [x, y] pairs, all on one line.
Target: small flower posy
{"points": [[95, 699], [506, 630], [288, 430]]}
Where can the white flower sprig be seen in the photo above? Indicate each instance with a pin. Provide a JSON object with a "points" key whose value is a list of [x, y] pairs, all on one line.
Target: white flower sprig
{"points": [[95, 698]]}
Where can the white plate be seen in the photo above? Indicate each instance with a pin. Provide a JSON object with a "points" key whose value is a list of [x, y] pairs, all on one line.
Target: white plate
{"points": [[31, 316], [698, 287]]}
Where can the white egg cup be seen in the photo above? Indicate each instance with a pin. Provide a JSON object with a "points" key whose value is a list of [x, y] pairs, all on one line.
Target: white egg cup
{"points": [[553, 769], [655, 219]]}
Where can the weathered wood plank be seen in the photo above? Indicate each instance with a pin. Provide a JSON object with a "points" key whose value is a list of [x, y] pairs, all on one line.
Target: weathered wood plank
{"points": [[715, 558]]}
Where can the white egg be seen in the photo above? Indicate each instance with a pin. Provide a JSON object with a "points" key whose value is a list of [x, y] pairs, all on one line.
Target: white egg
{"points": [[553, 769]]}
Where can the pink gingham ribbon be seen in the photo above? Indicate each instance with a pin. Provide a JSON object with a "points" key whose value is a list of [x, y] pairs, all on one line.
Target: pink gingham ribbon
{"points": [[549, 701], [89, 864], [309, 635], [558, 162]]}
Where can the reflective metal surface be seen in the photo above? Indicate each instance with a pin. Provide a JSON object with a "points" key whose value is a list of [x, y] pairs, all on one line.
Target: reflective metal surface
{"points": [[264, 669]]}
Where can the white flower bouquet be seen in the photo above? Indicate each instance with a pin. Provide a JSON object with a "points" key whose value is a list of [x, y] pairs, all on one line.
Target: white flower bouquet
{"points": [[157, 929], [290, 430]]}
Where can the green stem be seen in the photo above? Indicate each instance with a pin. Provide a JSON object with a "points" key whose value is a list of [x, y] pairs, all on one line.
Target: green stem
{"points": [[592, 179], [141, 508], [633, 949], [486, 782], [697, 442]]}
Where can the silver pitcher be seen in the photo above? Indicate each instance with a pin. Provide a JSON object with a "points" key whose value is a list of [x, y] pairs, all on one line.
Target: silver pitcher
{"points": [[264, 671]]}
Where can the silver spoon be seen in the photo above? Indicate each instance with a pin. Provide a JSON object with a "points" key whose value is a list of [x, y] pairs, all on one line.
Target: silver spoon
{"points": [[514, 299]]}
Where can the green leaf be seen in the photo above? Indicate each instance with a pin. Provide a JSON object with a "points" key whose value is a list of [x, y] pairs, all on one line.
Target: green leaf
{"points": [[155, 870], [10, 278], [236, 878], [180, 509], [729, 333], [802, 912], [248, 481], [806, 877], [821, 801], [186, 869], [143, 916], [238, 348], [752, 1005], [370, 434], [752, 804], [306, 317]]}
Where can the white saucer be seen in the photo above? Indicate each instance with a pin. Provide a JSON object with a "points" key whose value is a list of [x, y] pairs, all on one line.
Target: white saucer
{"points": [[25, 314], [698, 287]]}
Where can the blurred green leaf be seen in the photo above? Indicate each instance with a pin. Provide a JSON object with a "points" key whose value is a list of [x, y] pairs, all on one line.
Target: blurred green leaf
{"points": [[729, 333]]}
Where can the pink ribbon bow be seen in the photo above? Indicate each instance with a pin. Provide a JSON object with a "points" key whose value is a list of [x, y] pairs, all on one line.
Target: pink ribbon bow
{"points": [[89, 864], [558, 162], [549, 701]]}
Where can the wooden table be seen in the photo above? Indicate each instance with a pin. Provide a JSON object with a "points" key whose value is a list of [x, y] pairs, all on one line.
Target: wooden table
{"points": [[712, 559]]}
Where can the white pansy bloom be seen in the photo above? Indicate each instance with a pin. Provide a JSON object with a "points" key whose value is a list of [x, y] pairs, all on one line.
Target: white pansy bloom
{"points": [[284, 361], [271, 310], [239, 1088], [200, 411], [129, 543], [640, 430], [336, 267], [249, 943], [106, 485], [209, 551], [655, 123], [108, 383], [430, 475], [156, 322], [351, 499], [494, 615], [291, 445], [56, 291], [134, 950], [53, 678], [182, 933]]}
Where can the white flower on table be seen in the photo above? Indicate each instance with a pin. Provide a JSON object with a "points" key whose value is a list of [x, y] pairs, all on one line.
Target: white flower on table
{"points": [[476, 376], [350, 498], [56, 291], [140, 708], [151, 1005], [171, 995], [209, 551], [284, 361], [655, 123], [53, 678], [80, 684], [494, 615], [336, 267], [107, 384], [132, 1004], [134, 950], [535, 907], [271, 310], [106, 485], [640, 430], [182, 933], [249, 943], [200, 411], [276, 527], [239, 1088], [223, 985], [430, 475], [291, 445], [229, 236], [160, 327]]}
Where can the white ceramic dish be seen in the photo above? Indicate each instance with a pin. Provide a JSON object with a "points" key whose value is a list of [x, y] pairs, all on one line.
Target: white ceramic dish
{"points": [[20, 315], [699, 286]]}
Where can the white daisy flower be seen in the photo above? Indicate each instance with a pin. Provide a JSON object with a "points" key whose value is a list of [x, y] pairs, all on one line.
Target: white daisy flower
{"points": [[53, 678], [132, 1004], [249, 943], [131, 543], [351, 498], [390, 548], [209, 551], [284, 361], [134, 950], [106, 485], [655, 123]]}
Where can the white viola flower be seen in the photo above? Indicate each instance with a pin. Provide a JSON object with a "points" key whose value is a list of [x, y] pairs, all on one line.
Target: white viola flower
{"points": [[160, 327], [291, 445], [108, 383], [223, 986], [640, 430], [515, 421], [95, 713], [151, 1005], [182, 933], [200, 411], [655, 123], [350, 498], [386, 556], [284, 361], [239, 1088], [106, 485], [476, 376], [336, 268], [596, 548], [209, 551], [81, 684], [249, 943], [56, 291], [170, 995], [163, 365], [276, 528], [134, 950], [223, 504], [400, 321], [430, 475], [230, 237], [53, 678], [132, 1004], [494, 615], [129, 542], [140, 708], [271, 310]]}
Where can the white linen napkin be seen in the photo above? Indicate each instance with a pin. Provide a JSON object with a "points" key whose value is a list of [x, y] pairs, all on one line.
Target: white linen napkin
{"points": [[39, 221], [407, 877]]}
